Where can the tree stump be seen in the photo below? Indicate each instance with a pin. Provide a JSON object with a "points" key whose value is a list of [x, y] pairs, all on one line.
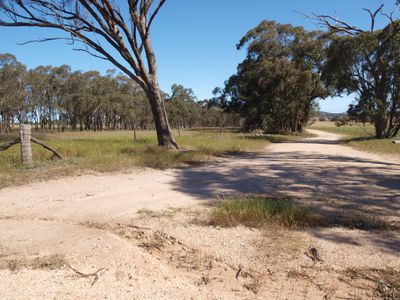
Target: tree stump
{"points": [[26, 149]]}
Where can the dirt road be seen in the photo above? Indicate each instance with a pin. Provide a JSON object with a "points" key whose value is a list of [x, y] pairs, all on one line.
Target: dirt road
{"points": [[313, 168], [76, 218]]}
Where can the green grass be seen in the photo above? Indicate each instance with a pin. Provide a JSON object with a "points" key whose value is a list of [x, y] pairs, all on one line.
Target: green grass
{"points": [[353, 130], [361, 137], [385, 146], [258, 211], [116, 151], [261, 211]]}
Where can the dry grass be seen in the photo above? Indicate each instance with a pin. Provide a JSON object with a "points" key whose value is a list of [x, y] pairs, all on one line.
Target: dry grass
{"points": [[359, 221], [145, 237], [116, 151], [145, 213], [385, 146], [95, 225], [361, 137], [261, 211], [353, 130], [385, 282], [169, 213], [48, 262], [298, 274], [13, 264], [156, 241]]}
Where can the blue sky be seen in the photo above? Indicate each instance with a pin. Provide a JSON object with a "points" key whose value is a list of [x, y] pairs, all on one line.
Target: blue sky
{"points": [[195, 40]]}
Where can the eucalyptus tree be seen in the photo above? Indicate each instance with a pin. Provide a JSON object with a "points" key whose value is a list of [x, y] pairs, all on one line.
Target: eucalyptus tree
{"points": [[135, 109], [12, 91], [182, 107], [45, 87], [95, 23], [35, 96], [72, 103], [367, 62], [275, 86]]}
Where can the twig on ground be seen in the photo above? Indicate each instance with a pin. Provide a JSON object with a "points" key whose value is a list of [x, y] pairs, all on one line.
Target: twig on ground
{"points": [[134, 226], [94, 274], [239, 271]]}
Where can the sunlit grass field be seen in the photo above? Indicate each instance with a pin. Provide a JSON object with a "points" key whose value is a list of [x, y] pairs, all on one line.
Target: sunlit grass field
{"points": [[117, 151], [361, 137], [354, 130]]}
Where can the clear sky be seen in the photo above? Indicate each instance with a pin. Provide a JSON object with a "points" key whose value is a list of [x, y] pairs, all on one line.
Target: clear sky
{"points": [[195, 40]]}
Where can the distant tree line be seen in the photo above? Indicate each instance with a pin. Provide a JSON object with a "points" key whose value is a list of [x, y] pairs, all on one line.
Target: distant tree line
{"points": [[56, 98]]}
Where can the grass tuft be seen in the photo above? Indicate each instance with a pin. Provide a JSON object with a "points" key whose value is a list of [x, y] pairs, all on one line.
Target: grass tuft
{"points": [[260, 211], [155, 241], [49, 262], [257, 211]]}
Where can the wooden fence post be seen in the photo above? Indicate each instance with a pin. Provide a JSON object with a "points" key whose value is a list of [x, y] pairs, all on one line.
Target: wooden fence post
{"points": [[26, 149]]}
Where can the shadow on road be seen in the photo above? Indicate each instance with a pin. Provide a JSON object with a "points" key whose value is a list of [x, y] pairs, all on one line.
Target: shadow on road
{"points": [[329, 182]]}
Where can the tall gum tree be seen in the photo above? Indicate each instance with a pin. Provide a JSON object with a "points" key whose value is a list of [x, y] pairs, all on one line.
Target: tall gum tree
{"points": [[367, 62], [12, 74], [276, 85], [94, 23]]}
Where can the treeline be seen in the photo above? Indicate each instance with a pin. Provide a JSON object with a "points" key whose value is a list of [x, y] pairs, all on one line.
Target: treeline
{"points": [[56, 98], [275, 89]]}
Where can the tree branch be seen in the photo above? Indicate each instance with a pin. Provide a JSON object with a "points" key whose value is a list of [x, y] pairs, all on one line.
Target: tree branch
{"points": [[373, 15], [336, 25], [84, 19], [7, 145]]}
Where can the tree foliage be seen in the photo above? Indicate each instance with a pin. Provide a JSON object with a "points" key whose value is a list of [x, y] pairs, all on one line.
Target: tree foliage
{"points": [[56, 98], [275, 86], [367, 62], [182, 108], [12, 76]]}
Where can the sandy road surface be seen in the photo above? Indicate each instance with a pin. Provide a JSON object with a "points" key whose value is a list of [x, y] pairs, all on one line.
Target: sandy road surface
{"points": [[52, 217]]}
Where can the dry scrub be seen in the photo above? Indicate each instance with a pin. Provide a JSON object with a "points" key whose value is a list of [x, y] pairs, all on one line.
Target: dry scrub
{"points": [[200, 267], [385, 282], [48, 262]]}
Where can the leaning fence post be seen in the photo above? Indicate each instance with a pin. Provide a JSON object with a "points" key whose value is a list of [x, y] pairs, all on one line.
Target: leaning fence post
{"points": [[26, 149]]}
